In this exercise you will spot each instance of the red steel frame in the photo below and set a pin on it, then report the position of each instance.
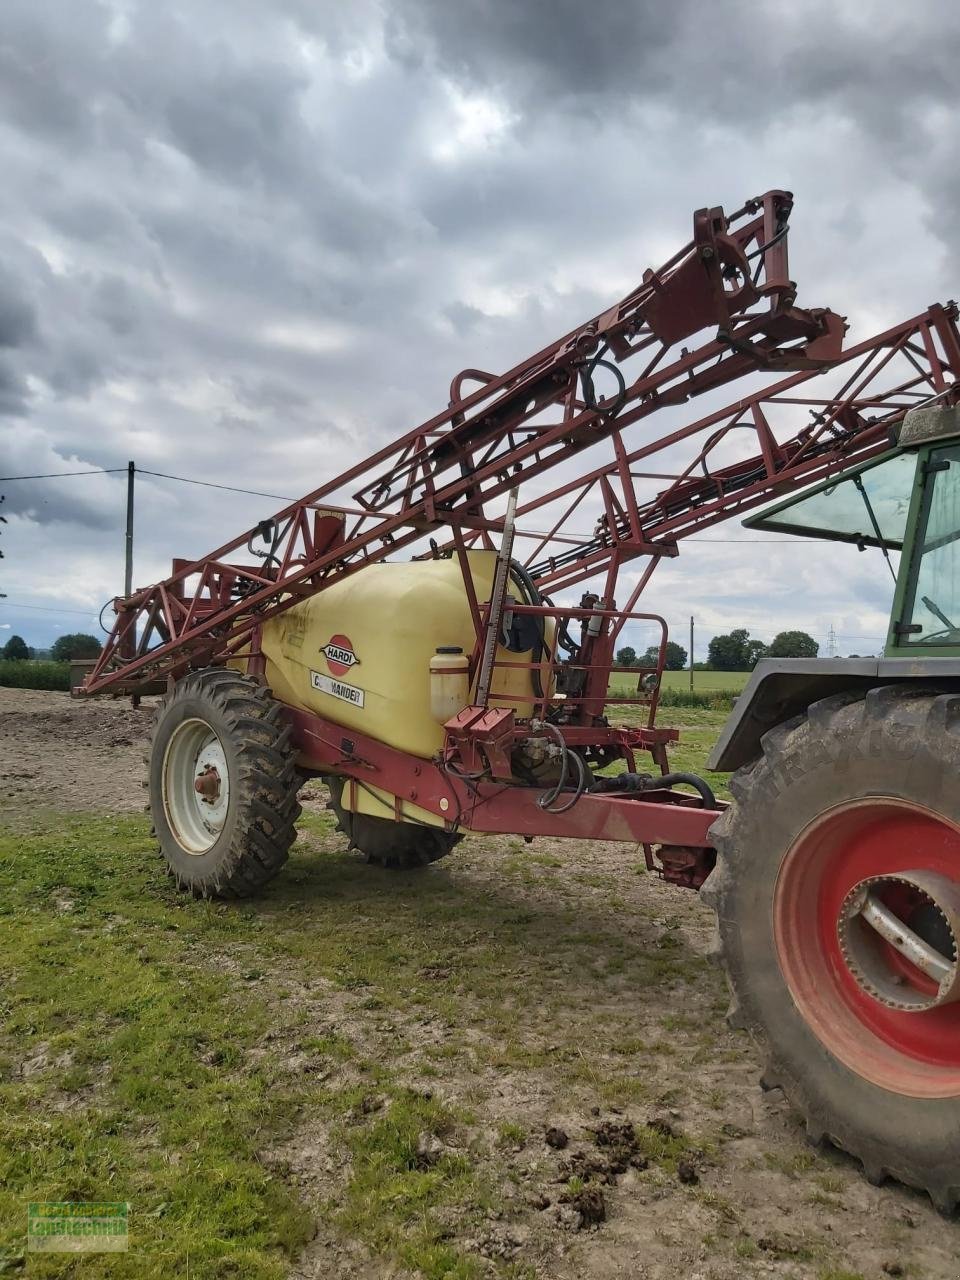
(444, 474)
(441, 474)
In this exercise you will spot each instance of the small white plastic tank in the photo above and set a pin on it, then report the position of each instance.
(449, 683)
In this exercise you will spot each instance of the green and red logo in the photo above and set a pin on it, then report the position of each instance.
(339, 654)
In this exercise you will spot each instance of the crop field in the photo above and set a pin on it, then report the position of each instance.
(513, 1064)
(707, 681)
(703, 681)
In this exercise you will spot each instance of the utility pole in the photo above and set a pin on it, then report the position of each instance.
(128, 546)
(691, 653)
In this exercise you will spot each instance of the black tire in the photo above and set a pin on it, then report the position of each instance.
(261, 809)
(899, 743)
(398, 846)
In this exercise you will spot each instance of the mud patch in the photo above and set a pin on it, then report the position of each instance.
(616, 1149)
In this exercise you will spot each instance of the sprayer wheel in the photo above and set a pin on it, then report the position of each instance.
(223, 784)
(398, 846)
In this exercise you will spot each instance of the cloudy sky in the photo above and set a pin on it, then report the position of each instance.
(249, 242)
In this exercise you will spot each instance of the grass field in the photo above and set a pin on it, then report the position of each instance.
(164, 1051)
(351, 1077)
(712, 691)
(706, 681)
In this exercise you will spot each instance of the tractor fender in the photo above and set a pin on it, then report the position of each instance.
(780, 688)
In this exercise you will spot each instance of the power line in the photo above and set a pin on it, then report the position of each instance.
(209, 484)
(162, 475)
(56, 475)
(799, 542)
(41, 608)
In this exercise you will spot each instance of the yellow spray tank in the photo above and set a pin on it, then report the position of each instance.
(361, 652)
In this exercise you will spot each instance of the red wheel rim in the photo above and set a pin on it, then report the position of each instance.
(916, 1054)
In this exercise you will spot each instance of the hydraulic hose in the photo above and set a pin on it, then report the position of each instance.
(587, 369)
(548, 797)
(653, 782)
(578, 790)
(545, 801)
(691, 779)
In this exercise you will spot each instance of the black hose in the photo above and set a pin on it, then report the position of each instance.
(691, 779)
(548, 797)
(578, 790)
(653, 782)
(522, 575)
(272, 531)
(589, 391)
(564, 639)
(781, 231)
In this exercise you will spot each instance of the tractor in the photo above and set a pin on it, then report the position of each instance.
(387, 634)
(837, 884)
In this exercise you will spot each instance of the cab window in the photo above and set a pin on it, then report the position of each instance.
(933, 588)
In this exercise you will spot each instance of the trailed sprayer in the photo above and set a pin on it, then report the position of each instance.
(433, 633)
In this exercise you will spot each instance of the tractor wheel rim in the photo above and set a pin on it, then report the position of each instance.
(196, 786)
(866, 917)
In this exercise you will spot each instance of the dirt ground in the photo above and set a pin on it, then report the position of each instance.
(742, 1194)
(58, 752)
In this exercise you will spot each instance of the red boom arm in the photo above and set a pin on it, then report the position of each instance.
(732, 275)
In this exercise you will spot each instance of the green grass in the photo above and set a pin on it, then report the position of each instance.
(34, 675)
(394, 1199)
(712, 690)
(707, 681)
(111, 1019)
(153, 1048)
(703, 681)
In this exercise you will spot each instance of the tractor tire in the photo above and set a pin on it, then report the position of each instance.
(223, 784)
(842, 807)
(398, 846)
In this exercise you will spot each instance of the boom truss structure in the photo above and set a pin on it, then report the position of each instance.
(792, 434)
(498, 432)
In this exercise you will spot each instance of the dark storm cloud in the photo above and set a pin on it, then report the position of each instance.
(18, 321)
(250, 243)
(559, 49)
(13, 391)
(891, 70)
(729, 59)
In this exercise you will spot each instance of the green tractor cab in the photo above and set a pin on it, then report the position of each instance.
(906, 501)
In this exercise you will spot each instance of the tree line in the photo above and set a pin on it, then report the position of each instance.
(64, 649)
(734, 651)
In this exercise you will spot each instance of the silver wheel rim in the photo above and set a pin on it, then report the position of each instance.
(196, 786)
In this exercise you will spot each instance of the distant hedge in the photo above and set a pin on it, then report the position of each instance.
(35, 675)
(710, 699)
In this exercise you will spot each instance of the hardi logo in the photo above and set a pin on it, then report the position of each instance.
(339, 654)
